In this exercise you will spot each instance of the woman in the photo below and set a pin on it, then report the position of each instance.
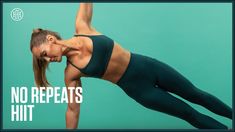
(146, 80)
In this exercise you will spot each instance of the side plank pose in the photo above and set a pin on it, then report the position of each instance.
(146, 80)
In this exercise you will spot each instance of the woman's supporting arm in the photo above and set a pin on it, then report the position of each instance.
(73, 109)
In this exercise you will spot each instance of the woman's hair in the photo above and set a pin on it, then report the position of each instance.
(38, 37)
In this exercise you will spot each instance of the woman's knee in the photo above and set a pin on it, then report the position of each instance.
(190, 114)
(196, 96)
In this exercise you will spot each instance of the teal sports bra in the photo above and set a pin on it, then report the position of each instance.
(102, 51)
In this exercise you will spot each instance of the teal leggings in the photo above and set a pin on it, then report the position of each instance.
(149, 81)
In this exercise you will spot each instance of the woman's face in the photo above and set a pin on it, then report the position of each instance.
(50, 51)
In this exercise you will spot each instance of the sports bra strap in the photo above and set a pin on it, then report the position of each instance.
(86, 35)
(68, 61)
(82, 35)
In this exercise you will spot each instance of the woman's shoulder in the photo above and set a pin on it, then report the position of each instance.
(71, 73)
(93, 32)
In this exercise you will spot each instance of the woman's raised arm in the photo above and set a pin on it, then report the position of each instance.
(84, 17)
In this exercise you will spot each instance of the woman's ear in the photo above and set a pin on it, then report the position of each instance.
(51, 38)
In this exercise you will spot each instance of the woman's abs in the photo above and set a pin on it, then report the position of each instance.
(117, 64)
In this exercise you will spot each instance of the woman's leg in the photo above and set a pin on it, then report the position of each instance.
(171, 80)
(160, 100)
(138, 82)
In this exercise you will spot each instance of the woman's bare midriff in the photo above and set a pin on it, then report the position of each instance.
(117, 65)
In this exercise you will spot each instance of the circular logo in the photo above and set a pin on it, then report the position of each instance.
(17, 14)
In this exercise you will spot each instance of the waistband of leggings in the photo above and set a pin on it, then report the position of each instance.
(125, 72)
